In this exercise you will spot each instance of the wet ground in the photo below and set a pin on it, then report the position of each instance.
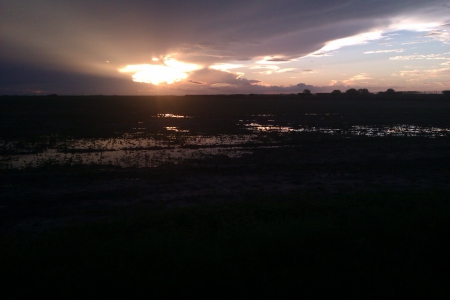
(75, 159)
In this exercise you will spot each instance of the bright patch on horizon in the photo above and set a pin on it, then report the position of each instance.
(168, 71)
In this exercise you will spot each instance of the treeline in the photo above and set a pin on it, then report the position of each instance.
(386, 95)
(338, 94)
(350, 93)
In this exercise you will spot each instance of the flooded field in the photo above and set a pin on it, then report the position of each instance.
(171, 138)
(141, 150)
(74, 158)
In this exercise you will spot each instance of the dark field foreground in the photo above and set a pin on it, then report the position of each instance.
(298, 213)
(359, 246)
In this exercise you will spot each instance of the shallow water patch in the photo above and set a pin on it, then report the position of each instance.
(400, 130)
(149, 151)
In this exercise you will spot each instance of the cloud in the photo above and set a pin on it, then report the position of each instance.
(352, 40)
(284, 70)
(136, 28)
(271, 69)
(212, 76)
(420, 56)
(361, 78)
(226, 88)
(225, 67)
(383, 51)
(277, 59)
(319, 53)
(423, 73)
(442, 34)
(78, 37)
(309, 71)
(414, 42)
(196, 82)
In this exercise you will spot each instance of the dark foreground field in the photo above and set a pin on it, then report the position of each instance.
(327, 197)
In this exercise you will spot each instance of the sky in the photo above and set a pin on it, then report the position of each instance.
(175, 47)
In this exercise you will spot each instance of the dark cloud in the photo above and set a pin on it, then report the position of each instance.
(24, 79)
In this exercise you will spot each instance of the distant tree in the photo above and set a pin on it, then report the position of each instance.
(363, 92)
(446, 93)
(336, 92)
(306, 93)
(351, 92)
(390, 91)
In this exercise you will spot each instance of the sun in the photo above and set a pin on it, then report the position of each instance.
(168, 71)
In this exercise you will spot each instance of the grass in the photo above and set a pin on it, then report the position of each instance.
(388, 244)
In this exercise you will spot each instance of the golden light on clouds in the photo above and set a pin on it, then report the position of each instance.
(168, 71)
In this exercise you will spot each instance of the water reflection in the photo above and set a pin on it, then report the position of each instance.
(172, 116)
(128, 151)
(176, 129)
(358, 130)
(121, 158)
(175, 144)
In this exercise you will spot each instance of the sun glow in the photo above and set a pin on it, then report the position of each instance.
(168, 71)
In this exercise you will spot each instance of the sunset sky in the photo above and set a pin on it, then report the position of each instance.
(176, 47)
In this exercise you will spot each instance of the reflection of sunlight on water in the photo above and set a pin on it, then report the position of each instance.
(131, 151)
(268, 128)
(359, 130)
(172, 116)
(176, 145)
(176, 129)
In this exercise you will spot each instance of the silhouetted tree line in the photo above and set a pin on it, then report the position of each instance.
(364, 93)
